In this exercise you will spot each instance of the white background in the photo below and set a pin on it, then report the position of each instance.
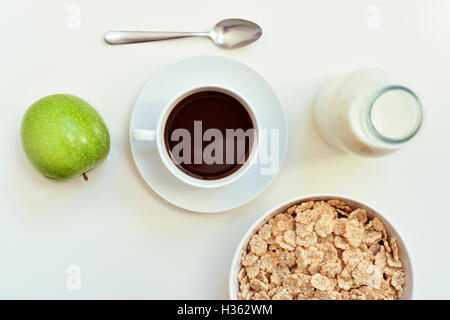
(127, 241)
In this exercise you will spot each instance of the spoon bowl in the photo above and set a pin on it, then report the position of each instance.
(235, 33)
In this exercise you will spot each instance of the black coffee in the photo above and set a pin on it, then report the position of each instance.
(209, 135)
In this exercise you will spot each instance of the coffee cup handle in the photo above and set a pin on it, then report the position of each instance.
(143, 135)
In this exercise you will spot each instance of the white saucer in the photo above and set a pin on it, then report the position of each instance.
(181, 77)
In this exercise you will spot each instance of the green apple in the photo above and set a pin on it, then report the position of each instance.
(64, 136)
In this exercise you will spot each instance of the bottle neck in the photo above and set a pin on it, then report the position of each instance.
(392, 114)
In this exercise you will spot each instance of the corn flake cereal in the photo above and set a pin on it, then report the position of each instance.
(323, 250)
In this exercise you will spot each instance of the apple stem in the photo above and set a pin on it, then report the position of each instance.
(85, 177)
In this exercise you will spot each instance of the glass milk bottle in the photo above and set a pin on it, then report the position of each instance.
(368, 112)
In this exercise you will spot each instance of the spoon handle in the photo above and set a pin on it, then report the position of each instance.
(123, 37)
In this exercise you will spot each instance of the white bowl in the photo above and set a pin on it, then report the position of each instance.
(371, 213)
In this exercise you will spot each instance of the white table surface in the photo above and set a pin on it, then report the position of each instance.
(129, 243)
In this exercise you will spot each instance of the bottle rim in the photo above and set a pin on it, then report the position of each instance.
(416, 127)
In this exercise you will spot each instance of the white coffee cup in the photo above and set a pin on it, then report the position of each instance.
(157, 136)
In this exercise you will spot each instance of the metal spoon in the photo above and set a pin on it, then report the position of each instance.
(227, 34)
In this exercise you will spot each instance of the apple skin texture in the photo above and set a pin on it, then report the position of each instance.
(64, 137)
